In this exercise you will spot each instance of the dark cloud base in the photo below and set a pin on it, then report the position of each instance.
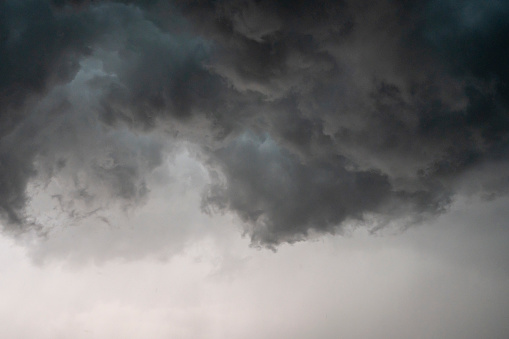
(311, 115)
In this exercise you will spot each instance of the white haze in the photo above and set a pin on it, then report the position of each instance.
(184, 274)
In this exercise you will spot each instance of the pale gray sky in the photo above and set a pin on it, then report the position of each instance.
(183, 274)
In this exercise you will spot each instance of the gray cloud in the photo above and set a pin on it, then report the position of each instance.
(367, 85)
(284, 198)
(57, 72)
(313, 115)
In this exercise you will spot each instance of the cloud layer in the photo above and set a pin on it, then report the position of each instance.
(308, 116)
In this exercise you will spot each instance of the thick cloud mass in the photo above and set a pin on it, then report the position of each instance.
(283, 198)
(308, 115)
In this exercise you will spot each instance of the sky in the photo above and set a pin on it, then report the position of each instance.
(254, 169)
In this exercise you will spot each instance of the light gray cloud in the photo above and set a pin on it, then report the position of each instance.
(448, 279)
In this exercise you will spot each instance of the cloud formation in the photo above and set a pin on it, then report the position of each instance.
(308, 116)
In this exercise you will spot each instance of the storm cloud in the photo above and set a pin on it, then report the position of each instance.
(308, 116)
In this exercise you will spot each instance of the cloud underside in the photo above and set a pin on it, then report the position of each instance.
(307, 116)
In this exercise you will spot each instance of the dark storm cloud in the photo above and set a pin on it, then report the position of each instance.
(390, 91)
(313, 114)
(283, 199)
(28, 61)
(51, 102)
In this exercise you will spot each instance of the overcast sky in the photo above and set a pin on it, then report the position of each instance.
(254, 169)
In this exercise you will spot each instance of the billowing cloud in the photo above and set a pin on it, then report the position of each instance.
(283, 199)
(308, 116)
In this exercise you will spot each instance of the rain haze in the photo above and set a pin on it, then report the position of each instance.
(254, 169)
